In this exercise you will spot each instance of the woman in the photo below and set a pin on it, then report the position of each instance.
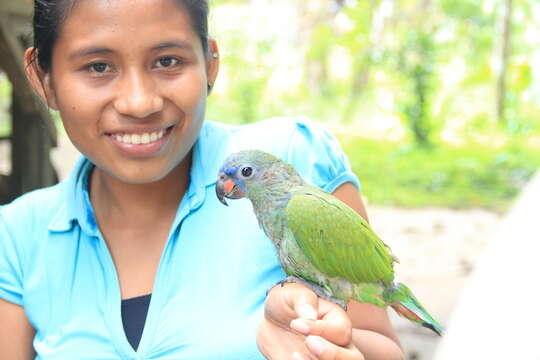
(134, 225)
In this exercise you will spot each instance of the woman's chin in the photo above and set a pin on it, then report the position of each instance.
(137, 175)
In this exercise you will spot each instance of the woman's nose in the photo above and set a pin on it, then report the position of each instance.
(138, 96)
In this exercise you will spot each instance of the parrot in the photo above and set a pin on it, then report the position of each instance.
(320, 241)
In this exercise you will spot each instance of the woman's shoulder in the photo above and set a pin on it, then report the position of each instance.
(305, 144)
(277, 135)
(278, 126)
(34, 209)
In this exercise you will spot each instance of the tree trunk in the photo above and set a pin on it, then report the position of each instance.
(503, 59)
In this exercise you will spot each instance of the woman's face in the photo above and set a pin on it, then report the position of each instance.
(130, 81)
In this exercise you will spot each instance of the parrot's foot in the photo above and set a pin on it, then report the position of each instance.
(341, 303)
(317, 289)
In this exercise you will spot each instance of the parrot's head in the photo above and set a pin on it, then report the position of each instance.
(254, 174)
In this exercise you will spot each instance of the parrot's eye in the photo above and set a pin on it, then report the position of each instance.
(247, 171)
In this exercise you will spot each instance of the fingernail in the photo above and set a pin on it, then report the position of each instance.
(300, 326)
(298, 356)
(307, 312)
(315, 345)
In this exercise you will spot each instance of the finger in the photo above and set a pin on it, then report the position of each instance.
(334, 324)
(325, 350)
(302, 300)
(291, 301)
(328, 309)
(337, 331)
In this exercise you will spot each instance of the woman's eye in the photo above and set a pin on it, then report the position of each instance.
(99, 68)
(166, 62)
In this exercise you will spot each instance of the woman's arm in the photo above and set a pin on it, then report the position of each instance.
(372, 333)
(350, 196)
(16, 333)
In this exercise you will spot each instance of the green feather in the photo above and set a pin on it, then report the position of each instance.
(338, 241)
(403, 301)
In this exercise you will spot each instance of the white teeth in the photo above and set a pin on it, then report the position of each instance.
(145, 138)
(137, 139)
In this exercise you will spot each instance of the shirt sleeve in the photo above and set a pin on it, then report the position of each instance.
(318, 157)
(10, 267)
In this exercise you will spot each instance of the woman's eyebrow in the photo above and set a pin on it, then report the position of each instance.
(90, 51)
(173, 44)
(86, 51)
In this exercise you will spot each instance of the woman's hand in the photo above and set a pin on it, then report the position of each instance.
(298, 325)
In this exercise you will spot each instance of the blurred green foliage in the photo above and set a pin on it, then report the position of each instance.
(423, 69)
(458, 177)
(416, 64)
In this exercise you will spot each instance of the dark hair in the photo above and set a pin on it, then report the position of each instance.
(50, 14)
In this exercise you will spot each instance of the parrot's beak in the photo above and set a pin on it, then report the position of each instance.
(226, 188)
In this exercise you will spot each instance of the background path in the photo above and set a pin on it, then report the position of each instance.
(438, 249)
(495, 318)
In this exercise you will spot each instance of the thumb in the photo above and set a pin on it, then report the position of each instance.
(325, 350)
(304, 302)
(291, 301)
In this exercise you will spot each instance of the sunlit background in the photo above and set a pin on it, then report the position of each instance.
(412, 88)
(435, 102)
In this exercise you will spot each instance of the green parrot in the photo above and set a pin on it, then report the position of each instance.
(321, 242)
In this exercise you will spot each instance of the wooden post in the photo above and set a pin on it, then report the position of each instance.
(16, 7)
(33, 130)
(30, 148)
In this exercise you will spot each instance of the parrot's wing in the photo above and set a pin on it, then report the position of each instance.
(336, 239)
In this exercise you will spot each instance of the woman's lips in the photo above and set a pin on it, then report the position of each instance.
(141, 144)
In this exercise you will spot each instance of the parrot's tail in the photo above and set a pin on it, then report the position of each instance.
(407, 306)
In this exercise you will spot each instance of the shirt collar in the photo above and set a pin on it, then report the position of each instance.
(76, 206)
(208, 153)
(207, 157)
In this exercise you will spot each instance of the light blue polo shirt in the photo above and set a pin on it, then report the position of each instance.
(209, 291)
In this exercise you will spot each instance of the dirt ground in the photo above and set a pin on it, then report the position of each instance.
(437, 248)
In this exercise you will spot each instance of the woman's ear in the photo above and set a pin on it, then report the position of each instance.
(39, 80)
(212, 64)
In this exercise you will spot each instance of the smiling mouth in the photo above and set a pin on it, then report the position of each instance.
(141, 138)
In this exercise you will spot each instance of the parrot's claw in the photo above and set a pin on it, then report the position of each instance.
(317, 289)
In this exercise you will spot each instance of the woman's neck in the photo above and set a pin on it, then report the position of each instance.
(120, 203)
